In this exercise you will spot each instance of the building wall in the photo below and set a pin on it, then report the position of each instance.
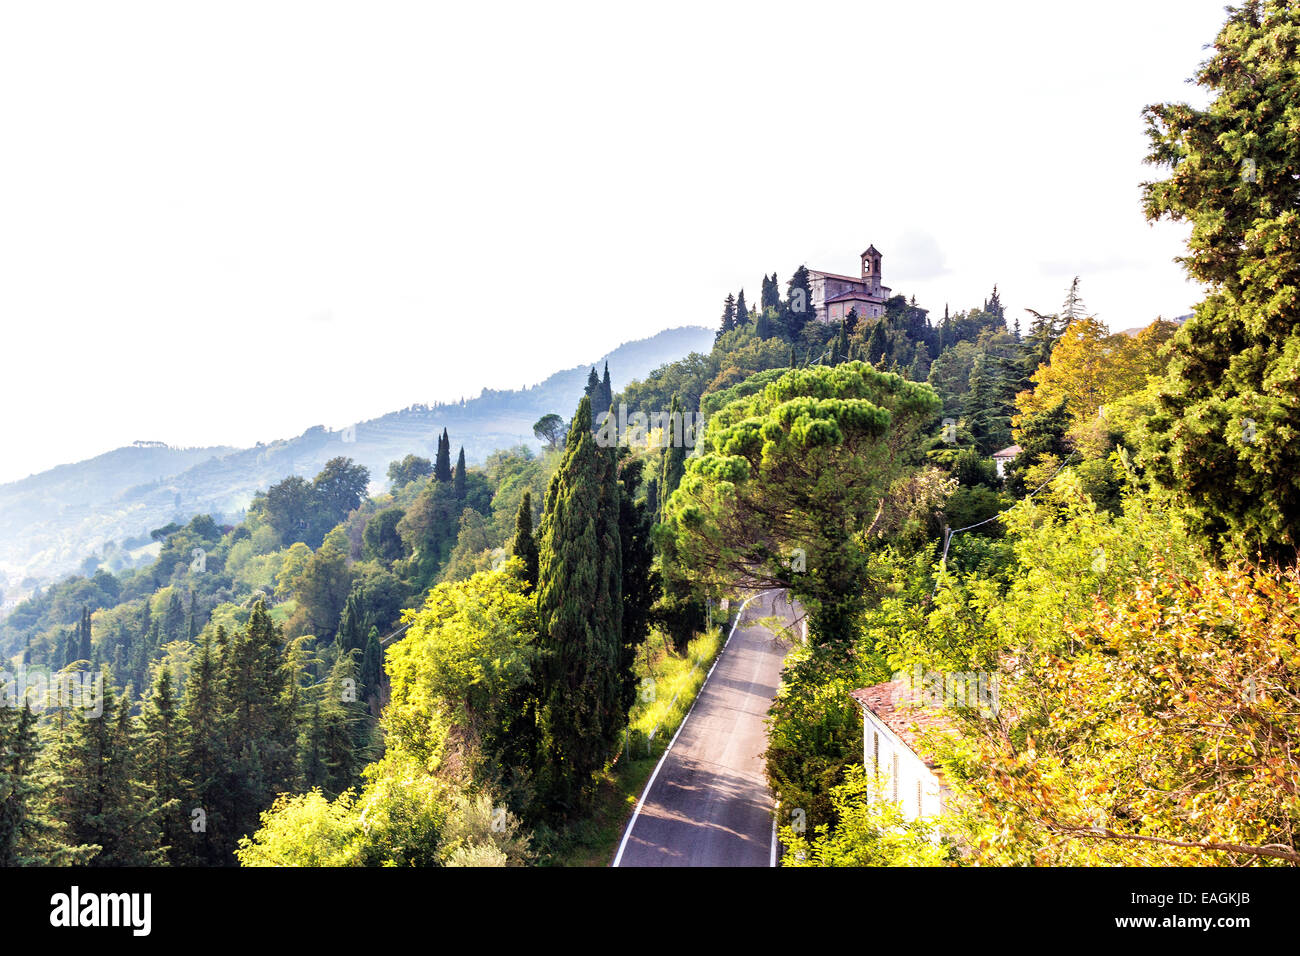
(905, 776)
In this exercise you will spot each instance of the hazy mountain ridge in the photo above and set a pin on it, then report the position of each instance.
(50, 522)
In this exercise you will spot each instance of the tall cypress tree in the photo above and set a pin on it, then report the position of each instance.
(458, 481)
(442, 463)
(674, 465)
(640, 580)
(372, 666)
(83, 635)
(606, 392)
(742, 310)
(524, 546)
(580, 618)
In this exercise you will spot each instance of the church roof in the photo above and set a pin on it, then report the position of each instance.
(871, 251)
(856, 296)
(835, 275)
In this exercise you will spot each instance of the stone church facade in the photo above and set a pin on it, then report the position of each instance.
(833, 296)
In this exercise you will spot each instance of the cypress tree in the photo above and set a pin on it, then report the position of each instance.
(878, 344)
(742, 310)
(458, 482)
(593, 384)
(606, 392)
(351, 626)
(372, 666)
(640, 580)
(83, 635)
(674, 465)
(442, 464)
(524, 546)
(579, 608)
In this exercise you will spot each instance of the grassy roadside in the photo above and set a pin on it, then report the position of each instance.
(669, 684)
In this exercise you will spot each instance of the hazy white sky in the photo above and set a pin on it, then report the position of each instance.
(226, 222)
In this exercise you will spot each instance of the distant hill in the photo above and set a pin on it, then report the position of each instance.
(50, 522)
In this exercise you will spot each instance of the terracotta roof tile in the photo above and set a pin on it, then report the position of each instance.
(893, 704)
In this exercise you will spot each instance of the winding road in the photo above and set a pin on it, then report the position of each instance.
(707, 802)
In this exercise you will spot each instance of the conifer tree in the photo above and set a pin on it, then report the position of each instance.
(640, 580)
(920, 363)
(742, 310)
(579, 608)
(771, 296)
(674, 460)
(205, 749)
(99, 797)
(257, 718)
(442, 463)
(458, 482)
(606, 392)
(1223, 438)
(162, 766)
(878, 344)
(523, 546)
(798, 310)
(372, 665)
(728, 322)
(83, 635)
(351, 626)
(28, 836)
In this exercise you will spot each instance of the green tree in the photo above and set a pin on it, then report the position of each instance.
(458, 479)
(442, 463)
(523, 546)
(674, 463)
(550, 429)
(100, 798)
(162, 765)
(1224, 436)
(409, 469)
(579, 609)
(796, 484)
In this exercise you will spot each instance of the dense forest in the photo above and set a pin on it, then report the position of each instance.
(443, 674)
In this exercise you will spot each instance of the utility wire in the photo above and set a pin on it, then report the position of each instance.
(948, 534)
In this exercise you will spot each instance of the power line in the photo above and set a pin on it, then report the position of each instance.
(948, 534)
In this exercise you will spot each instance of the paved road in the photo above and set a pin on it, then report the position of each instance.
(708, 803)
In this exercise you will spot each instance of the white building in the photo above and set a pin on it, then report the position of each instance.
(1004, 457)
(891, 726)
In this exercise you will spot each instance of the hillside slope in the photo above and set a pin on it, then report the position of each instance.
(50, 522)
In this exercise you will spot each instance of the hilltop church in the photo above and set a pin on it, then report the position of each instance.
(834, 295)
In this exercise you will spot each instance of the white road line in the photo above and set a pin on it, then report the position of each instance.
(644, 793)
